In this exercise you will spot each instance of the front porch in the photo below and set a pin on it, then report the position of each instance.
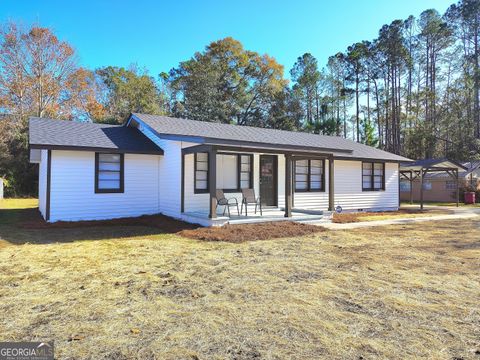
(270, 172)
(269, 215)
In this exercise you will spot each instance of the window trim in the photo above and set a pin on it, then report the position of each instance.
(239, 173)
(309, 173)
(372, 179)
(238, 189)
(121, 189)
(451, 182)
(201, 191)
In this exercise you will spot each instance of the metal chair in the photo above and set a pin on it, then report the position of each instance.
(227, 203)
(248, 197)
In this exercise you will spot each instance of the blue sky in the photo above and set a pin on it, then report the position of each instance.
(158, 35)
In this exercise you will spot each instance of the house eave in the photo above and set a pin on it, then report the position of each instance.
(95, 149)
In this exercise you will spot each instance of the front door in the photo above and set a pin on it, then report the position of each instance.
(268, 180)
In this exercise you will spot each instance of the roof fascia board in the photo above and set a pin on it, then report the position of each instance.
(356, 158)
(96, 149)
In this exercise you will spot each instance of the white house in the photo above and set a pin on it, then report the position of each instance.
(157, 164)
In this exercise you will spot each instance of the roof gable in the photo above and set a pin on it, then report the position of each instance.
(63, 134)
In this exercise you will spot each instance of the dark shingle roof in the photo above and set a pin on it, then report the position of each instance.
(469, 165)
(432, 163)
(48, 133)
(243, 135)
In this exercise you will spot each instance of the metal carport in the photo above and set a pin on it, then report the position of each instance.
(418, 170)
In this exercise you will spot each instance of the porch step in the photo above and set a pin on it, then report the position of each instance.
(296, 218)
(315, 221)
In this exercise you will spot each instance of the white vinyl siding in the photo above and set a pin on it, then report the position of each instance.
(170, 169)
(348, 188)
(73, 194)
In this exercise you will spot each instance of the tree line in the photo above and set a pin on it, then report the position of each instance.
(413, 90)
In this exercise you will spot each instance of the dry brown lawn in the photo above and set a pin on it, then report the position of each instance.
(132, 292)
(352, 217)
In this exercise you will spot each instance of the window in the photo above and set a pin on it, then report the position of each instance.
(234, 172)
(201, 173)
(227, 167)
(309, 175)
(405, 186)
(245, 171)
(373, 176)
(109, 170)
(450, 185)
(427, 185)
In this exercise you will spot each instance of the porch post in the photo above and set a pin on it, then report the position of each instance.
(331, 184)
(411, 187)
(212, 181)
(288, 185)
(182, 182)
(421, 189)
(458, 187)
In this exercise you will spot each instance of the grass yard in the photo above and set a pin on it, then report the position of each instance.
(132, 292)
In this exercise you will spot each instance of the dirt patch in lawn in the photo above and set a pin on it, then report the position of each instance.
(345, 218)
(250, 232)
(165, 223)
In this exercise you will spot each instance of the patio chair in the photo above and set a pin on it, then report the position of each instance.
(227, 203)
(248, 197)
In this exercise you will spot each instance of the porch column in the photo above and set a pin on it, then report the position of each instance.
(458, 187)
(411, 187)
(421, 188)
(212, 181)
(182, 182)
(331, 184)
(288, 185)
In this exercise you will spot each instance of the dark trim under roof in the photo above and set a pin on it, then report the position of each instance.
(202, 132)
(70, 135)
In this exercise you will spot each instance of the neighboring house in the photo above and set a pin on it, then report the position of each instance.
(158, 164)
(440, 186)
